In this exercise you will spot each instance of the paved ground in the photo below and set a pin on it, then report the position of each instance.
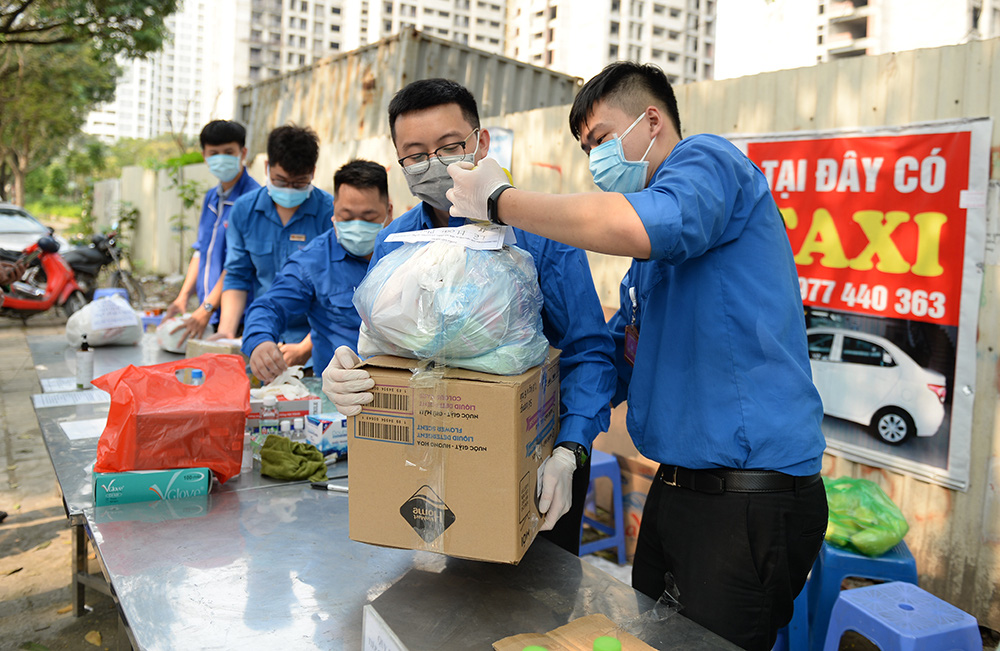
(35, 537)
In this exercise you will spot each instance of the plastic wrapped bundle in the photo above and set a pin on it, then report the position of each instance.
(479, 310)
(862, 517)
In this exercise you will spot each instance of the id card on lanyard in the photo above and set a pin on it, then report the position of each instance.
(632, 331)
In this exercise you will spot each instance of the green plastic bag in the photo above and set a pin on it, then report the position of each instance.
(862, 517)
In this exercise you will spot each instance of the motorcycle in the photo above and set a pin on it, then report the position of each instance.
(47, 282)
(87, 263)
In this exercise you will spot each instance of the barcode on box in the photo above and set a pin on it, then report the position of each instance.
(384, 428)
(394, 399)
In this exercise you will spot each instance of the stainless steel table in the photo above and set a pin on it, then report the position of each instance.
(275, 568)
(73, 460)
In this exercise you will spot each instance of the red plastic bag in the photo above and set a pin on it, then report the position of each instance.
(158, 422)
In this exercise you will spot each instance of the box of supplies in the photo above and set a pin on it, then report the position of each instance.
(446, 460)
(287, 409)
(328, 433)
(148, 485)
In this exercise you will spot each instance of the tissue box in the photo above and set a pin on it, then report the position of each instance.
(149, 485)
(328, 432)
(298, 408)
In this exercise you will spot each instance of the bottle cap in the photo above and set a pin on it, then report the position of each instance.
(286, 426)
(84, 346)
(607, 644)
(270, 401)
(299, 423)
(197, 374)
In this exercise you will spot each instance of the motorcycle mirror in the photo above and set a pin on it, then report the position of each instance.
(48, 244)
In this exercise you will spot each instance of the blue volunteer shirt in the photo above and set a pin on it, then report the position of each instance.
(572, 321)
(722, 376)
(211, 242)
(258, 244)
(318, 281)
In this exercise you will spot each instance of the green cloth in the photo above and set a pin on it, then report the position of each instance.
(282, 459)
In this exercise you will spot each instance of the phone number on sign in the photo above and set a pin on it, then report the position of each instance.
(918, 302)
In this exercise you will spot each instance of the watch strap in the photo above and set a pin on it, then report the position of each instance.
(492, 211)
(208, 307)
(580, 452)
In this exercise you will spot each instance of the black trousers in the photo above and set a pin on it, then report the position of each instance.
(738, 559)
(566, 533)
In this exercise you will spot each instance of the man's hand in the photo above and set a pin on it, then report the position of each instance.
(194, 325)
(347, 387)
(296, 354)
(556, 486)
(178, 306)
(267, 362)
(221, 335)
(473, 187)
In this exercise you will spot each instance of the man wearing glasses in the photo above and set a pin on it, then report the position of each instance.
(435, 122)
(268, 225)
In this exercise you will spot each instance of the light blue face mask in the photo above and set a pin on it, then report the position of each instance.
(288, 197)
(612, 172)
(224, 167)
(357, 236)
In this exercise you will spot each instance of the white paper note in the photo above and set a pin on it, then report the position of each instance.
(84, 429)
(69, 398)
(482, 237)
(50, 384)
(106, 314)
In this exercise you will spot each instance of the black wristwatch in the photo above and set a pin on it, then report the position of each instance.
(491, 204)
(580, 453)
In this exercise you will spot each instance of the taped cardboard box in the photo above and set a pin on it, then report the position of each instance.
(578, 635)
(195, 347)
(450, 465)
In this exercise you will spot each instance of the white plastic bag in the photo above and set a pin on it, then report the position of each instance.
(168, 334)
(108, 321)
(479, 310)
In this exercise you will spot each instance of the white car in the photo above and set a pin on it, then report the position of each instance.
(869, 380)
(18, 229)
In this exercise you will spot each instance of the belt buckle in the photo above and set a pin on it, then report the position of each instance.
(673, 480)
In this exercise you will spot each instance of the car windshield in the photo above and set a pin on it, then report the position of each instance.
(18, 222)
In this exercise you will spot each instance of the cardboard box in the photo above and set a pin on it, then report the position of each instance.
(578, 635)
(449, 463)
(148, 485)
(328, 433)
(195, 347)
(287, 409)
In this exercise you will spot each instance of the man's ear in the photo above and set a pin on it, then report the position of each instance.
(657, 121)
(484, 145)
(388, 212)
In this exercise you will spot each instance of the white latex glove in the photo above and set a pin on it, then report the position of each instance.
(347, 387)
(556, 486)
(473, 187)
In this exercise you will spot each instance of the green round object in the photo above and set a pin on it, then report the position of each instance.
(535, 647)
(607, 644)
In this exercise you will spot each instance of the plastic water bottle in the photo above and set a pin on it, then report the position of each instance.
(197, 377)
(84, 365)
(286, 429)
(299, 430)
(249, 451)
(268, 423)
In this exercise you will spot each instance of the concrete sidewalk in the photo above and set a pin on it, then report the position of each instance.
(35, 537)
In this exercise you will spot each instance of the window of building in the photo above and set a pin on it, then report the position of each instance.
(673, 36)
(613, 52)
(819, 40)
(443, 14)
(461, 38)
(821, 9)
(614, 28)
(657, 54)
(386, 26)
(548, 58)
(303, 6)
(494, 23)
(462, 21)
(334, 45)
(335, 11)
(615, 8)
(291, 40)
(302, 41)
(255, 35)
(675, 13)
(302, 59)
(291, 58)
(334, 28)
(658, 32)
(494, 41)
(672, 57)
(442, 32)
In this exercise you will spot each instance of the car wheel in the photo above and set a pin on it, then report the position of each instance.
(75, 301)
(893, 425)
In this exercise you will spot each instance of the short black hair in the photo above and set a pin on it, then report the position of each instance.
(362, 174)
(628, 85)
(428, 93)
(296, 149)
(221, 132)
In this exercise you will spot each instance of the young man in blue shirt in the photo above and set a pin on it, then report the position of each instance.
(223, 145)
(710, 349)
(319, 281)
(434, 122)
(269, 225)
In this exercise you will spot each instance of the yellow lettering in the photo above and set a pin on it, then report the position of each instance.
(822, 238)
(879, 234)
(790, 216)
(929, 243)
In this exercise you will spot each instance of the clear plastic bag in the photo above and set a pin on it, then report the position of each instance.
(479, 310)
(862, 517)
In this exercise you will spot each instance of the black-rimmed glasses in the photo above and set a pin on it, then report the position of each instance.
(447, 154)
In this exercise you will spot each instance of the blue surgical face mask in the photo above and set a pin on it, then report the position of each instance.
(357, 236)
(224, 167)
(288, 197)
(612, 172)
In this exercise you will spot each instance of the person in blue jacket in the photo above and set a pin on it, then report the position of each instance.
(319, 281)
(710, 349)
(223, 145)
(434, 122)
(267, 226)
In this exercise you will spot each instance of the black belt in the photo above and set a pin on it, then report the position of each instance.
(719, 480)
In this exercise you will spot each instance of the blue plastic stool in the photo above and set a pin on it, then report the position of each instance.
(902, 616)
(835, 564)
(603, 464)
(795, 636)
(151, 321)
(111, 291)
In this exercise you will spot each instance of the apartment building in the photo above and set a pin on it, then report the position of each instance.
(580, 38)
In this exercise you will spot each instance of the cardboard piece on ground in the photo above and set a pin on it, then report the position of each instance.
(449, 463)
(578, 635)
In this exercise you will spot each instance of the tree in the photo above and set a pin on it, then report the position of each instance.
(132, 28)
(44, 99)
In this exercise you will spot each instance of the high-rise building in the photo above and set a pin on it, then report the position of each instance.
(173, 91)
(580, 38)
(479, 23)
(763, 35)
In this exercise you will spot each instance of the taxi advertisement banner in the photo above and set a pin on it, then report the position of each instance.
(887, 228)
